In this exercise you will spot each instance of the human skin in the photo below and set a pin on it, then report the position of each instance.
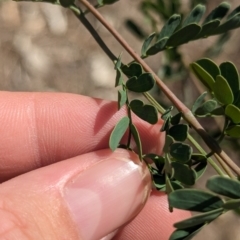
(54, 150)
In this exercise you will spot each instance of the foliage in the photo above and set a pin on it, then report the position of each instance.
(183, 161)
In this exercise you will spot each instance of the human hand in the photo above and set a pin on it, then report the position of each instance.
(60, 180)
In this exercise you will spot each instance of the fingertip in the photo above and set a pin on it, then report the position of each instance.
(154, 221)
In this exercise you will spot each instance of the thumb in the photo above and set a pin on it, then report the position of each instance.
(86, 197)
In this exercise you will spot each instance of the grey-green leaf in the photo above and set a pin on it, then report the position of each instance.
(183, 173)
(230, 73)
(200, 169)
(194, 200)
(195, 15)
(208, 28)
(233, 113)
(181, 152)
(179, 132)
(203, 75)
(119, 78)
(209, 66)
(230, 24)
(122, 98)
(118, 132)
(168, 142)
(222, 91)
(157, 47)
(137, 140)
(133, 70)
(198, 102)
(234, 12)
(233, 131)
(206, 109)
(176, 118)
(199, 219)
(143, 83)
(183, 35)
(224, 186)
(170, 26)
(218, 13)
(147, 43)
(185, 234)
(146, 112)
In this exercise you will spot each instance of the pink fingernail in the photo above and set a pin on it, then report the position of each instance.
(107, 195)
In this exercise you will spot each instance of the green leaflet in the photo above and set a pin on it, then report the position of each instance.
(199, 219)
(203, 76)
(222, 90)
(137, 139)
(146, 112)
(179, 132)
(143, 83)
(230, 73)
(181, 152)
(233, 113)
(146, 44)
(106, 2)
(233, 131)
(194, 200)
(218, 13)
(122, 98)
(169, 27)
(118, 132)
(224, 186)
(195, 15)
(183, 173)
(183, 35)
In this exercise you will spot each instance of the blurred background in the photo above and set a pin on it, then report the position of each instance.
(44, 47)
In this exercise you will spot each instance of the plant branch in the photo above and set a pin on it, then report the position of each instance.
(187, 114)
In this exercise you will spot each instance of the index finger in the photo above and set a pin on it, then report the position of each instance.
(38, 129)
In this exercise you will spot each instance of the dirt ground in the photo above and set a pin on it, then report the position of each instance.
(44, 48)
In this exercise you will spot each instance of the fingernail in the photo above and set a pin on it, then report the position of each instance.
(107, 195)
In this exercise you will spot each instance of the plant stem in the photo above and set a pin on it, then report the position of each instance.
(187, 114)
(80, 15)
